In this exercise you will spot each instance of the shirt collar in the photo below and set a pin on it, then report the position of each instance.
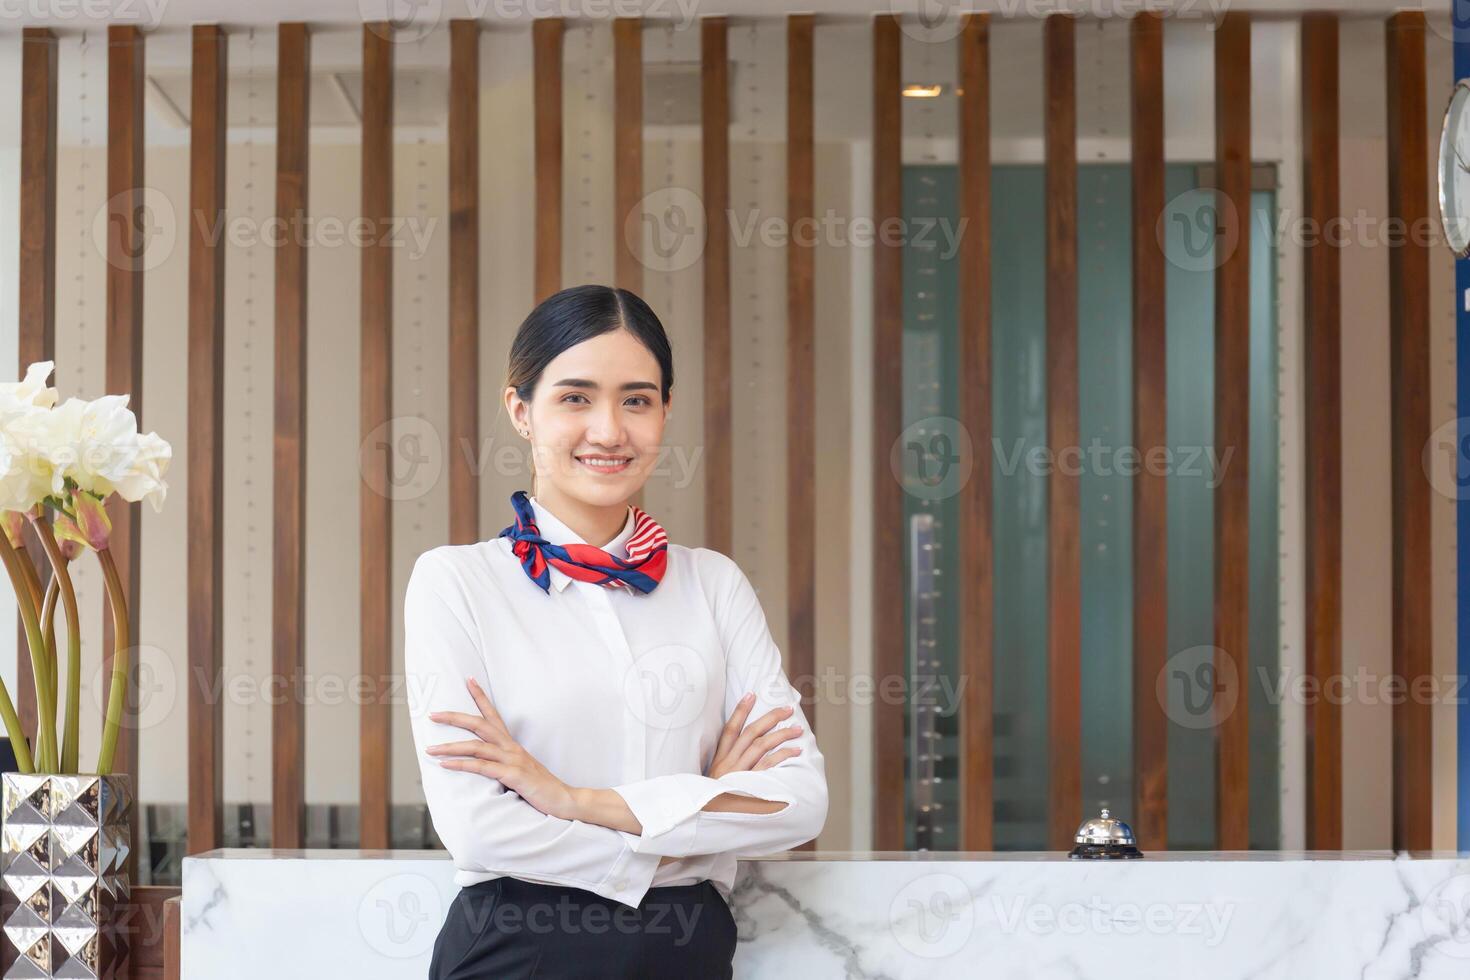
(555, 532)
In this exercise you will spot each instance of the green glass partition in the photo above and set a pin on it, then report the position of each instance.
(935, 455)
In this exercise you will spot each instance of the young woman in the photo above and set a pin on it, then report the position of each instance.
(602, 718)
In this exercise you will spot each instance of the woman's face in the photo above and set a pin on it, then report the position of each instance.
(596, 419)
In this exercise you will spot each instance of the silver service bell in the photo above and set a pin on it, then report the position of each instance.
(1105, 837)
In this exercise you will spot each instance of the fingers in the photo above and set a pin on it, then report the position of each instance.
(768, 742)
(741, 746)
(761, 746)
(472, 747)
(769, 720)
(758, 728)
(488, 724)
(485, 768)
(470, 723)
(779, 756)
(482, 701)
(731, 730)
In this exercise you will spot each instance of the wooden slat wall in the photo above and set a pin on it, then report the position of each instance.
(546, 38)
(464, 279)
(888, 582)
(1322, 290)
(376, 373)
(1232, 423)
(977, 726)
(1408, 280)
(1064, 631)
(288, 715)
(206, 425)
(801, 370)
(1150, 434)
(627, 148)
(715, 145)
(125, 248)
(1409, 199)
(36, 289)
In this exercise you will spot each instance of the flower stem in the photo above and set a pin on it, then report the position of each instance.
(33, 581)
(48, 634)
(61, 581)
(48, 627)
(40, 670)
(13, 730)
(117, 695)
(48, 630)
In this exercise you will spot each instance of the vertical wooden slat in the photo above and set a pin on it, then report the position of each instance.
(801, 371)
(1322, 272)
(125, 248)
(464, 281)
(1150, 435)
(376, 372)
(888, 582)
(1064, 577)
(1408, 282)
(977, 752)
(627, 157)
(288, 715)
(627, 147)
(206, 384)
(173, 931)
(719, 487)
(36, 289)
(153, 942)
(1232, 424)
(546, 37)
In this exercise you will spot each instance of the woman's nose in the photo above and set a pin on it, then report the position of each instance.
(606, 426)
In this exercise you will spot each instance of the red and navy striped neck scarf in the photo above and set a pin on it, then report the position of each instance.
(641, 570)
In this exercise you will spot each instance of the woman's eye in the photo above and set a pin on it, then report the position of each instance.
(643, 401)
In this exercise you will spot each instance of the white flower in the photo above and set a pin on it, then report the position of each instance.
(23, 483)
(94, 443)
(143, 477)
(24, 480)
(30, 394)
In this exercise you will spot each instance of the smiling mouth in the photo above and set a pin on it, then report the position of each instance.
(598, 463)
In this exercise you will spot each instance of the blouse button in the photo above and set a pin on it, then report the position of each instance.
(620, 884)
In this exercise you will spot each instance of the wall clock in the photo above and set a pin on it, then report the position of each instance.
(1454, 170)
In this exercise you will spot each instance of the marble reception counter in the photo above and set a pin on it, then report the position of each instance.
(251, 913)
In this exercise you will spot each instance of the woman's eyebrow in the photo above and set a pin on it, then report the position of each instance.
(584, 383)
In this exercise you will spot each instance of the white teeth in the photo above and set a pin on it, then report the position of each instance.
(605, 463)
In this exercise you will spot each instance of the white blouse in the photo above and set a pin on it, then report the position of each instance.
(607, 688)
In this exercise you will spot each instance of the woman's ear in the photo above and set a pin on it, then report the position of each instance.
(517, 410)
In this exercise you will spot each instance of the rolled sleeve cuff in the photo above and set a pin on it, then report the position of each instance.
(667, 808)
(629, 878)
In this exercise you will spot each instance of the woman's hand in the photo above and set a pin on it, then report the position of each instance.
(744, 747)
(494, 753)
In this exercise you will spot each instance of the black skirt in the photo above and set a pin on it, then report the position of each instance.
(508, 928)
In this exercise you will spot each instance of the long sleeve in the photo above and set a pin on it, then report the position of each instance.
(670, 807)
(486, 827)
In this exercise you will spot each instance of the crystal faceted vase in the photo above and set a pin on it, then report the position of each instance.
(63, 863)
